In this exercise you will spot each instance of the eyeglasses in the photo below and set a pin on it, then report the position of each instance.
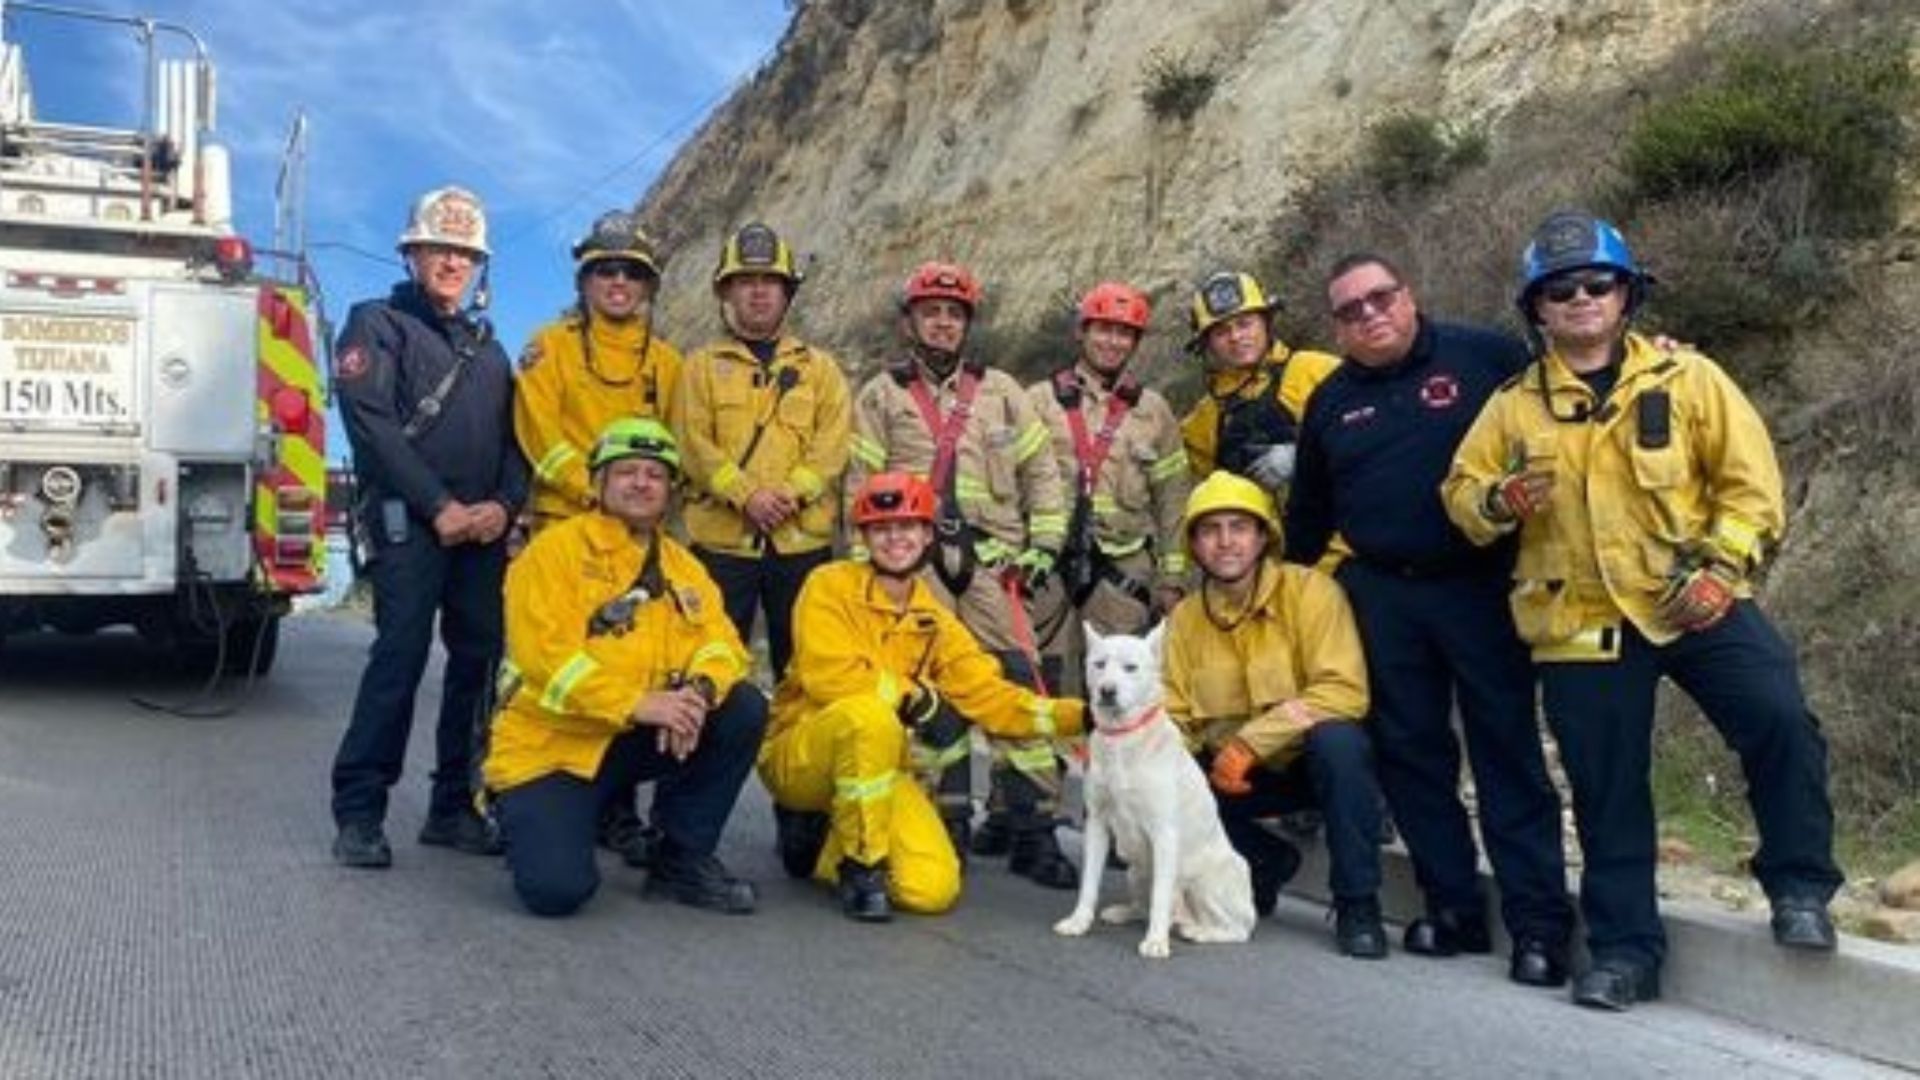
(1374, 300)
(1562, 290)
(607, 270)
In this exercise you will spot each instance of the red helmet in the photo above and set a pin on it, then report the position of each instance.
(893, 496)
(1116, 302)
(941, 281)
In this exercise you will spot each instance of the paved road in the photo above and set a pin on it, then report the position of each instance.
(168, 909)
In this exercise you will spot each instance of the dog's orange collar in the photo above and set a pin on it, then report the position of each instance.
(1146, 716)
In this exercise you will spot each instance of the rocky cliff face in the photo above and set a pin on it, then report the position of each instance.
(1011, 134)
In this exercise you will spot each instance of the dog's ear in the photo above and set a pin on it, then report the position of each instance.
(1094, 640)
(1157, 641)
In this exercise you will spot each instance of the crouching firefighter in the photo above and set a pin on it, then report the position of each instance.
(621, 666)
(881, 678)
(1118, 442)
(1000, 525)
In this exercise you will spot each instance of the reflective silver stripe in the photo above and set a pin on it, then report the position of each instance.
(577, 667)
(555, 459)
(1736, 538)
(939, 757)
(1031, 757)
(1041, 524)
(1043, 715)
(865, 789)
(970, 488)
(506, 682)
(1031, 441)
(887, 689)
(1172, 465)
(869, 453)
(717, 650)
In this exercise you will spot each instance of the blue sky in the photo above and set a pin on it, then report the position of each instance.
(551, 111)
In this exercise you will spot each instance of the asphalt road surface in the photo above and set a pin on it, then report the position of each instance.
(168, 908)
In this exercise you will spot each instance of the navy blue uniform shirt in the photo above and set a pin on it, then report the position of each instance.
(391, 356)
(1376, 443)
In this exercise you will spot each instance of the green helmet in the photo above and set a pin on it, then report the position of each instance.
(635, 436)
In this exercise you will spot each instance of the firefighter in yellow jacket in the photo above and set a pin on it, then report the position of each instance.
(1257, 387)
(600, 361)
(877, 656)
(1645, 492)
(763, 420)
(1265, 675)
(970, 429)
(621, 666)
(1121, 456)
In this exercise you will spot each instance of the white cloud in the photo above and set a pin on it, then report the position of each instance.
(528, 104)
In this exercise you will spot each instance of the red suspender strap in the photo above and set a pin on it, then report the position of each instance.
(946, 430)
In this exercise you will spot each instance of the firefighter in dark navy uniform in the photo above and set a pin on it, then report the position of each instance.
(427, 398)
(1378, 437)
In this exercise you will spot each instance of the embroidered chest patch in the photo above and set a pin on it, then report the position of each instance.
(1440, 391)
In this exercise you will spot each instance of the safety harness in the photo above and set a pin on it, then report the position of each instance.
(956, 559)
(1090, 453)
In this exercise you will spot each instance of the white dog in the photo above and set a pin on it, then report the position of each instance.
(1146, 793)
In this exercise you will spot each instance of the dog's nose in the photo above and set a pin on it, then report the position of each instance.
(1107, 694)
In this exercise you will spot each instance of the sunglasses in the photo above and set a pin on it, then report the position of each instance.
(1374, 300)
(1562, 290)
(609, 270)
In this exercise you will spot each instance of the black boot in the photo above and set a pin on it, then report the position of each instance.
(1357, 929)
(623, 832)
(993, 838)
(1035, 854)
(959, 824)
(700, 881)
(1803, 923)
(1448, 932)
(799, 835)
(863, 891)
(463, 830)
(362, 844)
(1271, 866)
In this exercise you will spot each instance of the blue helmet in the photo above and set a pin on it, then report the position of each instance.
(1575, 240)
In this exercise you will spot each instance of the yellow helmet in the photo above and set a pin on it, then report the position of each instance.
(756, 249)
(1222, 296)
(616, 235)
(449, 216)
(1229, 491)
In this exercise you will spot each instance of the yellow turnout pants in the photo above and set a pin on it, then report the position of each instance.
(850, 760)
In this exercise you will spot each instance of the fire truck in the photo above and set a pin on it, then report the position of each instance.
(162, 410)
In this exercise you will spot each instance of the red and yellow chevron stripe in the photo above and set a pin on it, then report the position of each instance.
(289, 517)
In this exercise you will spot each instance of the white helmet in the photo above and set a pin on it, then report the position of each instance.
(451, 216)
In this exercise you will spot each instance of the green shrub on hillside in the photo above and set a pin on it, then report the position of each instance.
(1838, 113)
(1178, 85)
(1413, 152)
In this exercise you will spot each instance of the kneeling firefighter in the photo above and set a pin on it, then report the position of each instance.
(865, 706)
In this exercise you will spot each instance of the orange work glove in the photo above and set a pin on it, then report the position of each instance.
(1519, 494)
(1231, 763)
(1698, 599)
